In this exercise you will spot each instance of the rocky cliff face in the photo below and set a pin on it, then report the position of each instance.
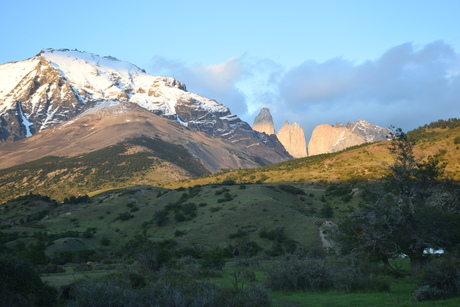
(293, 139)
(326, 138)
(56, 85)
(264, 122)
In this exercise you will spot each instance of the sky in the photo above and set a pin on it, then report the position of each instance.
(391, 63)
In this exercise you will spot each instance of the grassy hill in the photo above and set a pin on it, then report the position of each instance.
(208, 216)
(356, 164)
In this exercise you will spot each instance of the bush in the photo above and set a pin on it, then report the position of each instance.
(320, 274)
(170, 289)
(161, 217)
(20, 285)
(239, 234)
(214, 258)
(439, 279)
(276, 234)
(124, 216)
(105, 241)
(291, 189)
(179, 217)
(227, 197)
(295, 275)
(327, 211)
(427, 293)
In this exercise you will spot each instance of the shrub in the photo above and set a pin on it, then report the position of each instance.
(221, 191)
(227, 197)
(276, 234)
(457, 140)
(439, 279)
(170, 289)
(179, 217)
(124, 216)
(295, 275)
(89, 232)
(179, 233)
(329, 273)
(427, 293)
(154, 260)
(189, 209)
(105, 241)
(291, 189)
(161, 217)
(228, 181)
(214, 258)
(90, 292)
(20, 285)
(326, 211)
(239, 234)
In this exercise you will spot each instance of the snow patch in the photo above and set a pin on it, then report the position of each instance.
(25, 121)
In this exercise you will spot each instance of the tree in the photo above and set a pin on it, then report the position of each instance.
(20, 285)
(414, 211)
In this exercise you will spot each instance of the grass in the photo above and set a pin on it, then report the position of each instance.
(400, 294)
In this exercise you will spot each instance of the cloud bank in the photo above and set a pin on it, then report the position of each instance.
(407, 86)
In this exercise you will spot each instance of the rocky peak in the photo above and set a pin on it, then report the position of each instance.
(57, 85)
(293, 139)
(331, 138)
(264, 122)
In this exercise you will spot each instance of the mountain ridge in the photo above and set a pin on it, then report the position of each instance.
(112, 122)
(57, 85)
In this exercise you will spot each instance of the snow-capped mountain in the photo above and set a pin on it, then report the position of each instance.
(57, 85)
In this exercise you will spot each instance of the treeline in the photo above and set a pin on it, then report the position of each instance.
(427, 131)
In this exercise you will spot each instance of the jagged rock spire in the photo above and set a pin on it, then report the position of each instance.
(264, 122)
(293, 139)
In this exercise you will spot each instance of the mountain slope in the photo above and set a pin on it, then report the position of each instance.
(129, 143)
(112, 122)
(57, 85)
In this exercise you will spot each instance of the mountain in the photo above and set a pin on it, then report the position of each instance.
(57, 85)
(293, 139)
(331, 138)
(130, 144)
(263, 122)
(360, 163)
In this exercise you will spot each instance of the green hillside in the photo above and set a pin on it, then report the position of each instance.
(208, 216)
(361, 163)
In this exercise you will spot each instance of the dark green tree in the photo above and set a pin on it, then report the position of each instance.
(414, 211)
(20, 285)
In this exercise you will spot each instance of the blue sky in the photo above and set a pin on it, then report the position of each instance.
(388, 62)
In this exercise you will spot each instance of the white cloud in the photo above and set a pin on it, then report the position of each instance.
(213, 81)
(407, 87)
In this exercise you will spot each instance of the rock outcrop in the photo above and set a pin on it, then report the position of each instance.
(331, 138)
(293, 139)
(264, 122)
